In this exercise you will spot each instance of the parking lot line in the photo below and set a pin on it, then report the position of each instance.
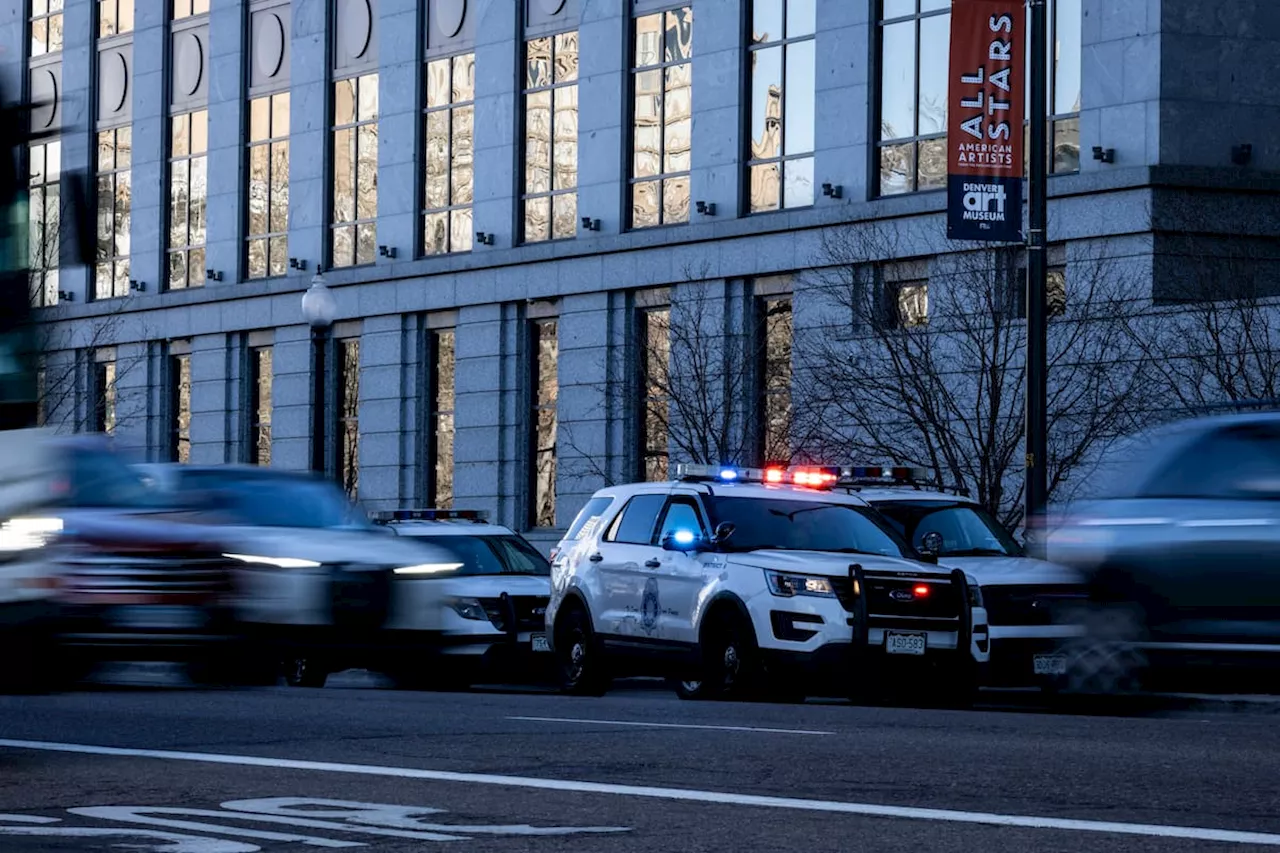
(676, 794)
(644, 725)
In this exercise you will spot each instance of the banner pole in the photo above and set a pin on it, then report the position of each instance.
(1037, 425)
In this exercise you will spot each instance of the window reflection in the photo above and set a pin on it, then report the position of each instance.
(449, 152)
(115, 196)
(104, 393)
(355, 171)
(180, 408)
(114, 17)
(655, 378)
(348, 412)
(188, 8)
(188, 198)
(781, 68)
(551, 138)
(44, 213)
(260, 381)
(440, 451)
(661, 130)
(268, 190)
(545, 381)
(774, 361)
(46, 27)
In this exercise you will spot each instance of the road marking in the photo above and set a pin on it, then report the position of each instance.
(669, 725)
(143, 840)
(678, 794)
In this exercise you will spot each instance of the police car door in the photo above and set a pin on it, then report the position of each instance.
(680, 576)
(625, 561)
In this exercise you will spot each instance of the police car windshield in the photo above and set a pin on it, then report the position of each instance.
(276, 500)
(493, 555)
(966, 530)
(791, 525)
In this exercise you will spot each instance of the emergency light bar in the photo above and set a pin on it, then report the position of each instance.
(808, 476)
(477, 515)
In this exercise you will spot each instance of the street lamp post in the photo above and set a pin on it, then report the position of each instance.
(320, 310)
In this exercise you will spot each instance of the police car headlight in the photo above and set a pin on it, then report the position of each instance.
(788, 585)
(469, 608)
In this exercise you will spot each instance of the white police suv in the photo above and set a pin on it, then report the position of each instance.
(490, 612)
(756, 583)
(1030, 603)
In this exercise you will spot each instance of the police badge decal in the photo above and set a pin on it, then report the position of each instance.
(649, 609)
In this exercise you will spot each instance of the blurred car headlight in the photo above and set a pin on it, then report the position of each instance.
(25, 534)
(469, 608)
(429, 569)
(789, 584)
(277, 562)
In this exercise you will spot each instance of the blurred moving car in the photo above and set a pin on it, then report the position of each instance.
(1181, 547)
(127, 574)
(1029, 602)
(491, 612)
(319, 586)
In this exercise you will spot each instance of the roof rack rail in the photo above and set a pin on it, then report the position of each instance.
(476, 516)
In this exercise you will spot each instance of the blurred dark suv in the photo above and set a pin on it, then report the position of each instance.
(1182, 554)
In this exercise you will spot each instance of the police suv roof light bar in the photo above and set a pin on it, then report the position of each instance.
(808, 476)
(477, 516)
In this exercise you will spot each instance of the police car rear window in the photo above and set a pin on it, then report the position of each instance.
(588, 519)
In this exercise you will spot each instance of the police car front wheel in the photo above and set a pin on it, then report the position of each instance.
(581, 667)
(730, 667)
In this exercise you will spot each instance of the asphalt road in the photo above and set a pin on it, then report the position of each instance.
(207, 771)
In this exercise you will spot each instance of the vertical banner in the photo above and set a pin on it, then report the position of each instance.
(986, 96)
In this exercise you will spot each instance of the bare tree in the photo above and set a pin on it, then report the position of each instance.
(923, 363)
(692, 385)
(64, 377)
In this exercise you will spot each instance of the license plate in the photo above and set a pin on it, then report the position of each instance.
(1049, 664)
(897, 643)
(155, 616)
(540, 643)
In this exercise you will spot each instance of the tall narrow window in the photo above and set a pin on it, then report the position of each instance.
(115, 17)
(551, 138)
(662, 121)
(775, 378)
(348, 433)
(545, 387)
(46, 27)
(45, 213)
(115, 197)
(441, 423)
(103, 397)
(915, 48)
(261, 376)
(180, 408)
(655, 373)
(188, 196)
(268, 186)
(782, 104)
(1064, 82)
(188, 8)
(450, 155)
(355, 170)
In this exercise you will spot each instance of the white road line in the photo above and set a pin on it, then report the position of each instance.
(644, 725)
(679, 794)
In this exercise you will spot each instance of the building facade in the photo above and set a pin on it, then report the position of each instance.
(507, 197)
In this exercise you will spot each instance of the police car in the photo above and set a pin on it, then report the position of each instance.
(1029, 602)
(490, 611)
(770, 583)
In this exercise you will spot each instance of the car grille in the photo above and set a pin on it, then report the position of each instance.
(943, 601)
(1039, 604)
(360, 596)
(528, 611)
(125, 578)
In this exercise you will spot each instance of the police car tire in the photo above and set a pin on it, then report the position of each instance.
(722, 638)
(575, 636)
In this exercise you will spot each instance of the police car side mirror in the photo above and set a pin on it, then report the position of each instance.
(722, 533)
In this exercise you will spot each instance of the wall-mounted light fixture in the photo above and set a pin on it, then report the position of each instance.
(590, 224)
(66, 296)
(484, 238)
(833, 190)
(139, 286)
(299, 264)
(213, 275)
(387, 252)
(1106, 155)
(707, 208)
